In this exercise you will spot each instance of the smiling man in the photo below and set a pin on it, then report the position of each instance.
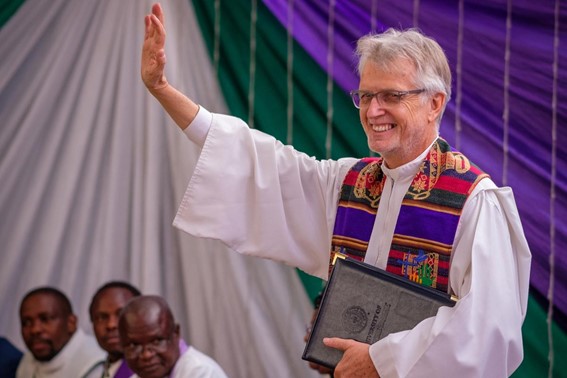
(421, 210)
(105, 308)
(152, 345)
(57, 347)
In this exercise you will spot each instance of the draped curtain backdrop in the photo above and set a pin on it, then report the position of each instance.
(92, 169)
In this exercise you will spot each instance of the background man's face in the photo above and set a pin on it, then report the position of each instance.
(151, 346)
(105, 314)
(45, 327)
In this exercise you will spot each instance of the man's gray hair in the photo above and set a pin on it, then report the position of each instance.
(385, 49)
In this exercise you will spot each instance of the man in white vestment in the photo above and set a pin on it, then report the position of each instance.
(152, 345)
(56, 346)
(421, 210)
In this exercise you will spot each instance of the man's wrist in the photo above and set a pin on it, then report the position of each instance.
(158, 89)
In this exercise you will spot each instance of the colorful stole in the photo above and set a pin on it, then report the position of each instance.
(429, 215)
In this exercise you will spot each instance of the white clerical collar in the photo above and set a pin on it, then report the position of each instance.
(407, 170)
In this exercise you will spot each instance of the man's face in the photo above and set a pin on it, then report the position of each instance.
(151, 345)
(398, 131)
(45, 327)
(105, 313)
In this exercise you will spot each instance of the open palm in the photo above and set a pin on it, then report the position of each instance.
(153, 52)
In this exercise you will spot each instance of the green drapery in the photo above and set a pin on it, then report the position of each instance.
(536, 348)
(7, 9)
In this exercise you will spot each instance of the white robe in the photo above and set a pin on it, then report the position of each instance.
(81, 357)
(195, 364)
(265, 199)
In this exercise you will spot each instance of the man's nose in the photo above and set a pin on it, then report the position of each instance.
(36, 327)
(112, 322)
(375, 107)
(147, 351)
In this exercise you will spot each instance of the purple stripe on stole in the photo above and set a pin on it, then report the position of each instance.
(182, 346)
(123, 371)
(354, 223)
(441, 228)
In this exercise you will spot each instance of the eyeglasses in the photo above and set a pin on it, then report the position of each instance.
(158, 345)
(384, 98)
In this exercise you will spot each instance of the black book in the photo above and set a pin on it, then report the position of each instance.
(364, 303)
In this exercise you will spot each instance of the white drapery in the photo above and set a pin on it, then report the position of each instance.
(92, 171)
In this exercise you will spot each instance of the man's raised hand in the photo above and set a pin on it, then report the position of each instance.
(153, 50)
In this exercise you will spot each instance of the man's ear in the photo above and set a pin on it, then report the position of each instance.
(437, 101)
(71, 323)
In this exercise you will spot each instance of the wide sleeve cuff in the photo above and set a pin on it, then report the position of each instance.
(198, 129)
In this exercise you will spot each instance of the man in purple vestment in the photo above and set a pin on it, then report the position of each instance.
(152, 344)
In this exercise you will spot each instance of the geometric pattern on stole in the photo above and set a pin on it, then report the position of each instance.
(427, 223)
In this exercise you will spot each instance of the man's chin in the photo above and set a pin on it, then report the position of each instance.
(43, 357)
(42, 351)
(114, 354)
(113, 346)
(155, 370)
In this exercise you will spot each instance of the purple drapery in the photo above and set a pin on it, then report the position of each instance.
(515, 149)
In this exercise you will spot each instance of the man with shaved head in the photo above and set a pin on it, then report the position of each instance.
(57, 347)
(152, 346)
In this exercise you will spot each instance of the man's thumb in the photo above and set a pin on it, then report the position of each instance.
(336, 343)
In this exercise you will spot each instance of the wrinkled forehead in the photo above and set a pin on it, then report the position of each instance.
(394, 65)
(151, 321)
(398, 75)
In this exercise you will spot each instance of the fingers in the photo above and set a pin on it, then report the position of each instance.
(147, 22)
(154, 30)
(158, 12)
(153, 52)
(338, 343)
(158, 25)
(155, 22)
(356, 361)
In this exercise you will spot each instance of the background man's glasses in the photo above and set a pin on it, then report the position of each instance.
(158, 345)
(384, 98)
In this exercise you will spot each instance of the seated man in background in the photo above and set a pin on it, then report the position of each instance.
(57, 347)
(10, 357)
(105, 308)
(152, 345)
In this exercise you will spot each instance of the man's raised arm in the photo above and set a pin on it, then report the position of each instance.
(179, 107)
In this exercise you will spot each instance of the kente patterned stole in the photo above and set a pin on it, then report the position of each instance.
(429, 214)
